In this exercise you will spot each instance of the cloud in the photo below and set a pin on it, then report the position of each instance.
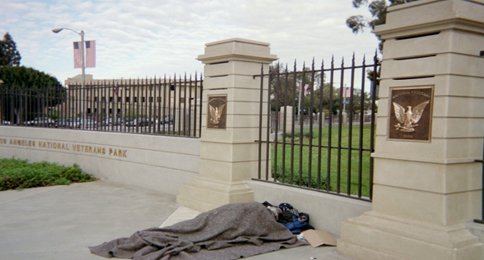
(145, 38)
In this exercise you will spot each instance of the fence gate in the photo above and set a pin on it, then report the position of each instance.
(319, 131)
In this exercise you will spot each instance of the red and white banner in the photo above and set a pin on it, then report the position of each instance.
(90, 51)
(90, 54)
(346, 92)
(77, 55)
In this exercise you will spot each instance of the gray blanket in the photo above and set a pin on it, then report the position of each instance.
(228, 232)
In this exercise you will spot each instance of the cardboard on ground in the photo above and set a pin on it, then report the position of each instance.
(319, 237)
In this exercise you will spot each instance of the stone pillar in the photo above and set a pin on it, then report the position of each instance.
(426, 183)
(228, 151)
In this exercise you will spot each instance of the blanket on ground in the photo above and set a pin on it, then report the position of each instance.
(231, 231)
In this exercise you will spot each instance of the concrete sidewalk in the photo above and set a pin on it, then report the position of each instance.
(60, 222)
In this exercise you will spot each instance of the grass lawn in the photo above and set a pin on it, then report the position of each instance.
(20, 174)
(318, 166)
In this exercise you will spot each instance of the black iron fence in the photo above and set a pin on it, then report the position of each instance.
(481, 221)
(321, 127)
(162, 106)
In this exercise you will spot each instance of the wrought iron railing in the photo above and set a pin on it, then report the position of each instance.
(321, 131)
(161, 106)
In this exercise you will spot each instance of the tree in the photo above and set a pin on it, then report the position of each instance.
(26, 93)
(9, 55)
(378, 11)
(286, 87)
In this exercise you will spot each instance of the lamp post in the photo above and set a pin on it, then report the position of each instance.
(83, 65)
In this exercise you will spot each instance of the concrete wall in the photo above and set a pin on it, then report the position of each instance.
(157, 163)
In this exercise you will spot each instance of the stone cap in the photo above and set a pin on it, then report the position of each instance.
(420, 17)
(237, 49)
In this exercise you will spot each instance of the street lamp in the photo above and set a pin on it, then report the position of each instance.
(83, 66)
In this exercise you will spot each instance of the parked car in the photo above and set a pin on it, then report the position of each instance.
(5, 122)
(69, 123)
(167, 120)
(139, 122)
(131, 122)
(145, 122)
(41, 121)
(88, 123)
(112, 121)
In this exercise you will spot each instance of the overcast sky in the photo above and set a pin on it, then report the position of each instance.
(143, 38)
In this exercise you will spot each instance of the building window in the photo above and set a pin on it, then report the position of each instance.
(126, 99)
(158, 99)
(135, 99)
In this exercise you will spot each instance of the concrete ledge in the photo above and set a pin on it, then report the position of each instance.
(157, 163)
(476, 229)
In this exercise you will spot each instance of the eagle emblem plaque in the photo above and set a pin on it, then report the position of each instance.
(411, 113)
(217, 112)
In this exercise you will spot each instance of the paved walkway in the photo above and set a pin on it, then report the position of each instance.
(60, 222)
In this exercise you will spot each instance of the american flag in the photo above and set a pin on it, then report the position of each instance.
(346, 92)
(307, 90)
(77, 55)
(90, 54)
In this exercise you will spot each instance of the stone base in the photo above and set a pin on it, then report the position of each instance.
(375, 236)
(477, 229)
(204, 194)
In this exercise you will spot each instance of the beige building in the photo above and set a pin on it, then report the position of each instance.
(155, 98)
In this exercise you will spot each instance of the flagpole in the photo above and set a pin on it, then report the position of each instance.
(83, 65)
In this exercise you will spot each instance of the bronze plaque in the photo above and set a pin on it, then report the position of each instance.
(217, 112)
(411, 113)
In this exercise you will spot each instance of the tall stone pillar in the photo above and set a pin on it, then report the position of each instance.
(429, 132)
(228, 151)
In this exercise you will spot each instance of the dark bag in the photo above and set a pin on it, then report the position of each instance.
(294, 220)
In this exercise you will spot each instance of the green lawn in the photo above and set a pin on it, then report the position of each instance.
(343, 167)
(20, 174)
